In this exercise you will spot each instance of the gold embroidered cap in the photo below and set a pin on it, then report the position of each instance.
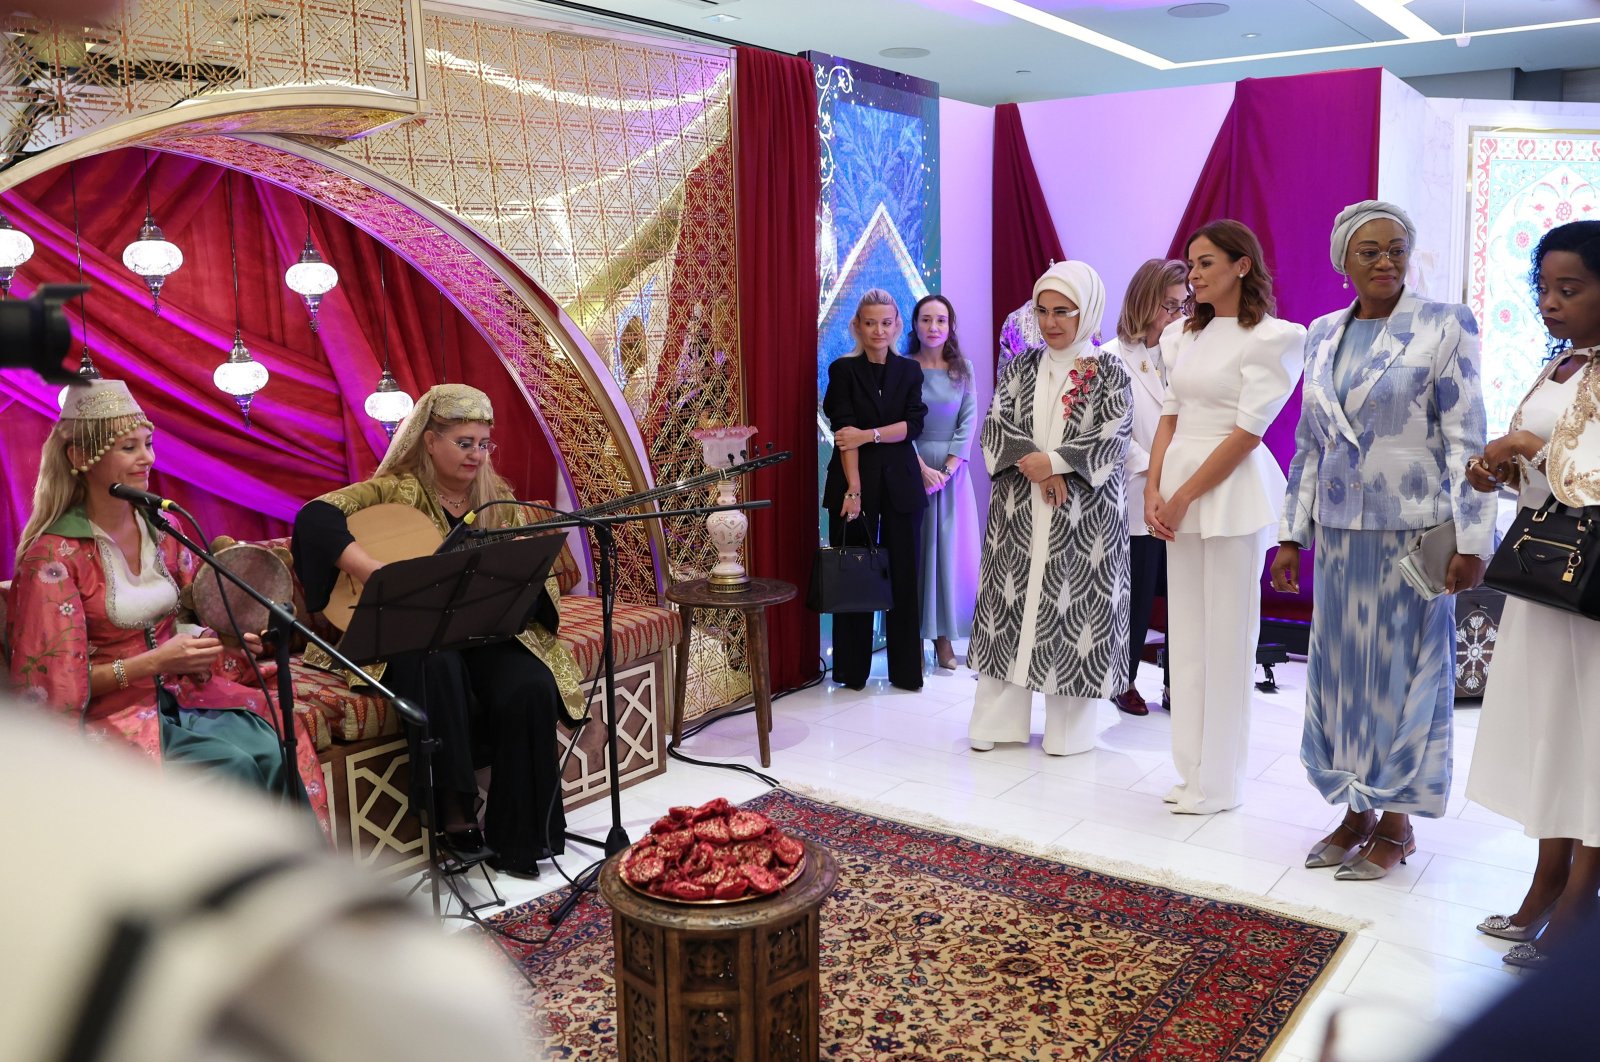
(440, 402)
(99, 413)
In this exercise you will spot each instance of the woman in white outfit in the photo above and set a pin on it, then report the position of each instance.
(1537, 756)
(1156, 297)
(1215, 494)
(1052, 614)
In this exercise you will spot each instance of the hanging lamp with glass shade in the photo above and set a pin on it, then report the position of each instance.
(241, 375)
(388, 404)
(152, 257)
(16, 247)
(311, 278)
(86, 367)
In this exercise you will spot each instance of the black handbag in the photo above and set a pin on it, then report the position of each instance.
(850, 578)
(1549, 557)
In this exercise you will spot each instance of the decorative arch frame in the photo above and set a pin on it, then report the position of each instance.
(286, 139)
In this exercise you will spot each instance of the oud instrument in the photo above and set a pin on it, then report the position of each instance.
(400, 532)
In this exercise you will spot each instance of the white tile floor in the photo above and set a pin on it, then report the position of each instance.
(1421, 952)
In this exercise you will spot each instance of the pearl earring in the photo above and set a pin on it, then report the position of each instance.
(1347, 283)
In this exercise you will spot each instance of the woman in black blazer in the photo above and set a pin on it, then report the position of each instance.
(874, 404)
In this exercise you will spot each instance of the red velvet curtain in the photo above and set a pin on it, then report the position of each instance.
(309, 433)
(1025, 238)
(1292, 153)
(779, 183)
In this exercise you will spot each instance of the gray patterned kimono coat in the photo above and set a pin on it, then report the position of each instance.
(1080, 638)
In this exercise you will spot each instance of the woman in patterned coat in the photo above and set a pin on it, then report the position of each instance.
(1052, 613)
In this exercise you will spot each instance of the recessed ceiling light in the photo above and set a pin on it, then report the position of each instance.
(1198, 10)
(1249, 36)
(1024, 71)
(904, 53)
(720, 17)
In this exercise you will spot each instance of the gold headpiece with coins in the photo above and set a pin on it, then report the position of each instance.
(98, 413)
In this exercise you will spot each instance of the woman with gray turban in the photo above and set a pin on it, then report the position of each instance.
(1391, 413)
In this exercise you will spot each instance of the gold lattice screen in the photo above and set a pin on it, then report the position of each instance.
(601, 166)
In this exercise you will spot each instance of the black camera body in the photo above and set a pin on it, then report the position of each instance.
(34, 333)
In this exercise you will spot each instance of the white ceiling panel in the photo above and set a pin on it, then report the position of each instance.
(979, 54)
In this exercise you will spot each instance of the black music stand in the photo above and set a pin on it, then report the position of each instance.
(448, 601)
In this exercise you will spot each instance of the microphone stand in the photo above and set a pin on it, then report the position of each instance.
(282, 625)
(617, 838)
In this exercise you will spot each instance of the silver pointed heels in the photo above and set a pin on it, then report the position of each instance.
(1328, 854)
(1501, 926)
(1360, 868)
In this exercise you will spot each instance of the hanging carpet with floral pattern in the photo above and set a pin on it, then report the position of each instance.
(941, 948)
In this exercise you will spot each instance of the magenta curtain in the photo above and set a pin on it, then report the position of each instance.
(779, 182)
(1025, 237)
(1292, 152)
(308, 433)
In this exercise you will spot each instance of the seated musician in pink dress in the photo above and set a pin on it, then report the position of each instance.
(93, 620)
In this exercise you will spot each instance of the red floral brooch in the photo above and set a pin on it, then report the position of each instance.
(1081, 382)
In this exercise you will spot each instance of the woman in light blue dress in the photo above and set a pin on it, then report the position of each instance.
(950, 528)
(1392, 412)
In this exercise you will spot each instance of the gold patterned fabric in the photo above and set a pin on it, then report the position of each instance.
(1573, 465)
(542, 643)
(441, 402)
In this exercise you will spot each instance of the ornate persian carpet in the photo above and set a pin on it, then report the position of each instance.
(940, 948)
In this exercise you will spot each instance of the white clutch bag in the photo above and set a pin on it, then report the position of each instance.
(1426, 561)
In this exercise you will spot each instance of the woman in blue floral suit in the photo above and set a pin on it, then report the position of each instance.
(1392, 412)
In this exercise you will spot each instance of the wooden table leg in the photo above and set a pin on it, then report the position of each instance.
(761, 680)
(680, 678)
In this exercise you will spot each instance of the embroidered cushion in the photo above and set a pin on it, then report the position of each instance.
(639, 630)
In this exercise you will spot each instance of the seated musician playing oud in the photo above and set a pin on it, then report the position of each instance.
(505, 697)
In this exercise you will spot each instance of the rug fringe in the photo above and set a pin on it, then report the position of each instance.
(1317, 916)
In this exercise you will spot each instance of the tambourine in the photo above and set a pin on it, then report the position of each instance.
(265, 569)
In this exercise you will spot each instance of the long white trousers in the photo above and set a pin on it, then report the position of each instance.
(1002, 711)
(1213, 623)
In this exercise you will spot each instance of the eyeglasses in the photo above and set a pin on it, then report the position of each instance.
(1179, 308)
(1397, 255)
(487, 446)
(1045, 311)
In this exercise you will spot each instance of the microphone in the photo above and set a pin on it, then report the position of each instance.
(141, 498)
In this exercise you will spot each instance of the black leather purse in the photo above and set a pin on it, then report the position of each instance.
(850, 578)
(1549, 557)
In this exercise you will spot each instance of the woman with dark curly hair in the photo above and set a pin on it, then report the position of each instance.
(1537, 757)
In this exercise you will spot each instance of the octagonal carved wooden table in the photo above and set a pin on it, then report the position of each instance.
(725, 983)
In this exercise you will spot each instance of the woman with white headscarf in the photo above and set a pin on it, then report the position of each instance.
(1215, 495)
(1052, 614)
(1392, 410)
(506, 696)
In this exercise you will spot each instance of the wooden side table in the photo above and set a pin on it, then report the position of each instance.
(719, 983)
(697, 593)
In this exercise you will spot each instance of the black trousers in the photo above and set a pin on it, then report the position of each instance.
(495, 706)
(901, 535)
(1147, 569)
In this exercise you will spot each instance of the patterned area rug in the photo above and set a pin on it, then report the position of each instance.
(940, 948)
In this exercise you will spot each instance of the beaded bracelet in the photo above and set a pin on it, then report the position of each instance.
(121, 672)
(851, 494)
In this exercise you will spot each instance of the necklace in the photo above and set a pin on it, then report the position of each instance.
(454, 501)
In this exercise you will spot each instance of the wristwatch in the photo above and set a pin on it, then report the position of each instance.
(876, 436)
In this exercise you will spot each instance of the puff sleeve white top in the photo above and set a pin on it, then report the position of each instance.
(1220, 378)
